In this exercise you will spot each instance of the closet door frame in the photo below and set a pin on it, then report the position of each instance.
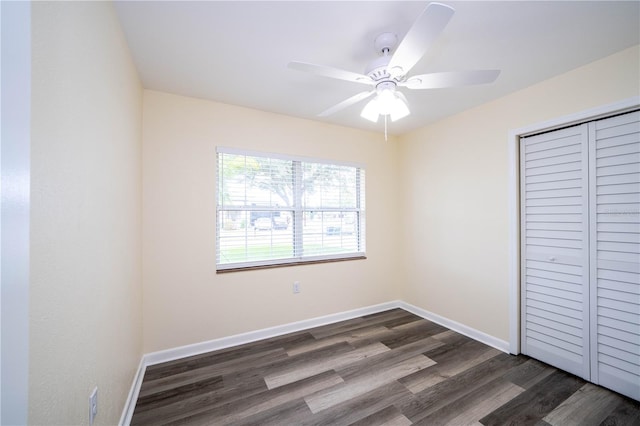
(513, 144)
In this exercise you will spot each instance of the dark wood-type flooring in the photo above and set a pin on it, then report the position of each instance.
(391, 368)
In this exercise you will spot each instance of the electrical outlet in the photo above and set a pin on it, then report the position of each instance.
(296, 286)
(93, 405)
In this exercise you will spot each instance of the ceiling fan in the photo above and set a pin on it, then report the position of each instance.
(390, 71)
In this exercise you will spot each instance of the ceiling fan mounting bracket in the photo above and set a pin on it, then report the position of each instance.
(385, 43)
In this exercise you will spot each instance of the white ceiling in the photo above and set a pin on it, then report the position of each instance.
(236, 52)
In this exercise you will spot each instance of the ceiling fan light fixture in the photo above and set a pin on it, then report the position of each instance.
(387, 102)
(370, 111)
(391, 102)
(399, 109)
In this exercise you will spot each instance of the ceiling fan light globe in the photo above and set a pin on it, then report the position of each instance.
(370, 111)
(386, 96)
(398, 110)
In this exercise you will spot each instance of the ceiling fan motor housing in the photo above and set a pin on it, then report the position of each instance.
(377, 69)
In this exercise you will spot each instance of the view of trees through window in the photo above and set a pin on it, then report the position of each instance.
(280, 210)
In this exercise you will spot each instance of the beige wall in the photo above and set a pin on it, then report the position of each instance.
(185, 301)
(85, 288)
(107, 214)
(455, 175)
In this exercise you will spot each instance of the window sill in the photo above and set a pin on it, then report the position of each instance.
(284, 265)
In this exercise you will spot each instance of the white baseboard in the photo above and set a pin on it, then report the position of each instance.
(457, 327)
(265, 333)
(130, 403)
(252, 336)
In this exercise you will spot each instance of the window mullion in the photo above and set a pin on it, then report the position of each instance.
(297, 205)
(219, 201)
(358, 209)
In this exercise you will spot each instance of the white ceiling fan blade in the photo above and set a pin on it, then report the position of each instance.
(440, 80)
(331, 72)
(347, 102)
(420, 37)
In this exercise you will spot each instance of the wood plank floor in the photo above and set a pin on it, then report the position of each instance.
(389, 368)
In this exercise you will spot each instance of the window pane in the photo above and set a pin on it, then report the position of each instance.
(330, 233)
(255, 181)
(249, 236)
(329, 186)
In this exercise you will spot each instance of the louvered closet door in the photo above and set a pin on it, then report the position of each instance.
(555, 250)
(615, 252)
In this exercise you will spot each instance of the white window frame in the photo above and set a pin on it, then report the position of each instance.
(298, 212)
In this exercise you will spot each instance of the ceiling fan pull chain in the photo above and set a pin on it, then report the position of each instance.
(385, 127)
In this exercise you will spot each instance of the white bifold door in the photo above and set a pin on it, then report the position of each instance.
(580, 224)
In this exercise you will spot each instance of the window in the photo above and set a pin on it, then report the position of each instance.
(275, 209)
